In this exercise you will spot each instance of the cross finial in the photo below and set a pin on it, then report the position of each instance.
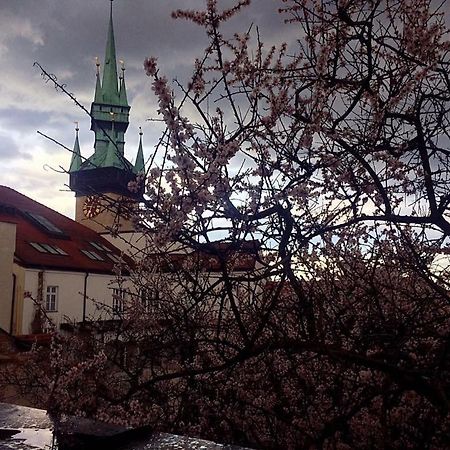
(140, 131)
(76, 126)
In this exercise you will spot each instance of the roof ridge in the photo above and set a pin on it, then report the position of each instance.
(47, 208)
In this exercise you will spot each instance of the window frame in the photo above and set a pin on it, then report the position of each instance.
(51, 298)
(93, 256)
(149, 299)
(50, 249)
(118, 301)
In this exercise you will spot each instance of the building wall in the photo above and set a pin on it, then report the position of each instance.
(132, 243)
(7, 248)
(70, 296)
(19, 273)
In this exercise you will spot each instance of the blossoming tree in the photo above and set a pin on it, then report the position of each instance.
(325, 162)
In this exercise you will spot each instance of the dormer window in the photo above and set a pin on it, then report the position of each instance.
(44, 223)
(48, 248)
(92, 255)
(100, 247)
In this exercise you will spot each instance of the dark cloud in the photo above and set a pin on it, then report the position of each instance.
(9, 149)
(65, 36)
(25, 121)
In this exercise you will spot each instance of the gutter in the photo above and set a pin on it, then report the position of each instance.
(85, 296)
(13, 304)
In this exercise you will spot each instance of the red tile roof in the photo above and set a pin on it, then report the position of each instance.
(76, 237)
(240, 256)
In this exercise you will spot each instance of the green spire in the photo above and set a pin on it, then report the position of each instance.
(98, 97)
(139, 166)
(109, 112)
(123, 91)
(112, 158)
(75, 163)
(109, 84)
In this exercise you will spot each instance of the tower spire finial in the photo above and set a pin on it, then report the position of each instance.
(109, 84)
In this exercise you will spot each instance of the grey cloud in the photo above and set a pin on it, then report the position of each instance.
(65, 36)
(9, 149)
(22, 120)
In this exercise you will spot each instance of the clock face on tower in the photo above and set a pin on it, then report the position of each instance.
(92, 206)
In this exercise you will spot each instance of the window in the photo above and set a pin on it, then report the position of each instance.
(93, 255)
(99, 246)
(51, 299)
(115, 258)
(38, 247)
(118, 305)
(149, 299)
(47, 248)
(44, 223)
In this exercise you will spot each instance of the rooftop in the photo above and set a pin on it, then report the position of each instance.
(47, 239)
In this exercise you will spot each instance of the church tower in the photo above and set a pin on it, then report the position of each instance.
(100, 182)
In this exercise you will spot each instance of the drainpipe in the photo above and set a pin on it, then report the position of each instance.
(85, 296)
(13, 305)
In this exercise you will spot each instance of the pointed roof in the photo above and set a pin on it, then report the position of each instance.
(98, 97)
(139, 166)
(123, 91)
(112, 158)
(109, 83)
(75, 163)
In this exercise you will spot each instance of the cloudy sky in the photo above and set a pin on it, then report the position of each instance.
(65, 36)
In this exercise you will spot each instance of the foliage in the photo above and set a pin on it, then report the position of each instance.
(329, 155)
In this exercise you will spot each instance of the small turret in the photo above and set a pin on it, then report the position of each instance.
(98, 96)
(139, 165)
(75, 163)
(122, 90)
